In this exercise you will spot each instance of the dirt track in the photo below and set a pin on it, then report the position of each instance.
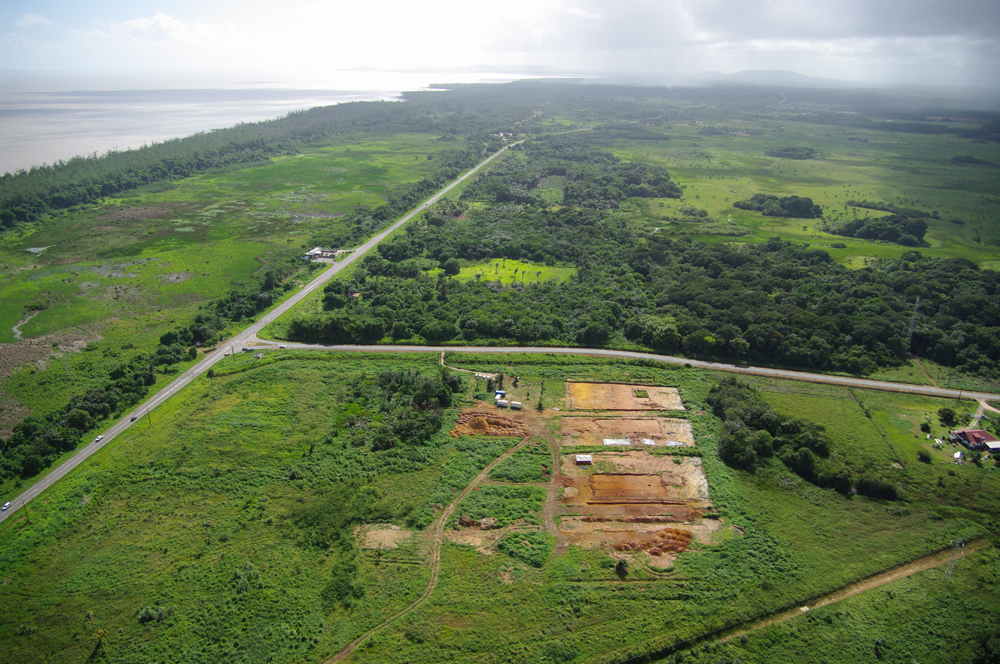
(919, 565)
(901, 572)
(437, 538)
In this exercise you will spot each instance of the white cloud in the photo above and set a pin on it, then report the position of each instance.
(840, 39)
(31, 20)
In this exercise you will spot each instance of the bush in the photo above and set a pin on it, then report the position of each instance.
(947, 416)
(924, 456)
(154, 613)
(875, 487)
(532, 548)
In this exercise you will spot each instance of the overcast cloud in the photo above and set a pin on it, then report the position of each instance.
(902, 41)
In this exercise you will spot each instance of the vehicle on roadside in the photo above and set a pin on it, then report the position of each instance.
(6, 506)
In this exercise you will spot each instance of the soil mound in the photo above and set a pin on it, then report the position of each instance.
(476, 423)
(658, 543)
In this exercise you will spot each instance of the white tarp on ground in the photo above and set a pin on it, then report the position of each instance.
(676, 443)
(938, 441)
(617, 441)
(648, 441)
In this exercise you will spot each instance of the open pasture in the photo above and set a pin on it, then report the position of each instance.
(908, 170)
(508, 271)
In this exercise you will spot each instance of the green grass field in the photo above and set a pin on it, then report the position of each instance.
(509, 270)
(166, 250)
(909, 170)
(180, 511)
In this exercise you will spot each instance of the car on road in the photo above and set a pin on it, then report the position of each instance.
(281, 346)
(226, 353)
(6, 506)
(133, 418)
(99, 439)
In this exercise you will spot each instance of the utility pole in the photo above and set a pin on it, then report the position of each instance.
(149, 420)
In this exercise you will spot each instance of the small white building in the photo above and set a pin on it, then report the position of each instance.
(584, 459)
(515, 405)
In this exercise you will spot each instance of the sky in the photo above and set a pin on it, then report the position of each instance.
(939, 42)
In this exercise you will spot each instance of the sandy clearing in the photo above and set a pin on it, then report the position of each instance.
(614, 396)
(593, 430)
(382, 536)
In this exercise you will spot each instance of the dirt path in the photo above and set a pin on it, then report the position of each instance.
(17, 328)
(984, 406)
(918, 565)
(539, 428)
(437, 538)
(921, 367)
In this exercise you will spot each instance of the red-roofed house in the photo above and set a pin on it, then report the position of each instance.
(977, 439)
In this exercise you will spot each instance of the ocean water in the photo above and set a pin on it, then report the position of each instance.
(55, 116)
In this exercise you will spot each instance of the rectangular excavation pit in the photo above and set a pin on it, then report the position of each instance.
(615, 396)
(596, 431)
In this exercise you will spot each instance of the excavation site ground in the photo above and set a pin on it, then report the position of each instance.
(633, 498)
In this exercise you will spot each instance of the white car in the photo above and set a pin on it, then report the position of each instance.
(6, 506)
(281, 346)
(99, 439)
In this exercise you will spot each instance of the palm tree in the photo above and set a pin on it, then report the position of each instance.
(538, 274)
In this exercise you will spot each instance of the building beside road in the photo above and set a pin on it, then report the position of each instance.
(976, 439)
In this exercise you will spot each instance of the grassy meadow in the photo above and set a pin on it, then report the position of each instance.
(182, 540)
(908, 170)
(158, 251)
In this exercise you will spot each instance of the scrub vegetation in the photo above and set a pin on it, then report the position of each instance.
(229, 527)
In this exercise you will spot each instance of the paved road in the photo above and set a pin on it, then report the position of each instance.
(232, 345)
(668, 359)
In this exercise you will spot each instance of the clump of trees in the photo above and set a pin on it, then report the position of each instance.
(786, 206)
(595, 178)
(792, 153)
(890, 228)
(753, 432)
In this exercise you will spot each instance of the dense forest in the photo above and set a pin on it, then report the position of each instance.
(775, 302)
